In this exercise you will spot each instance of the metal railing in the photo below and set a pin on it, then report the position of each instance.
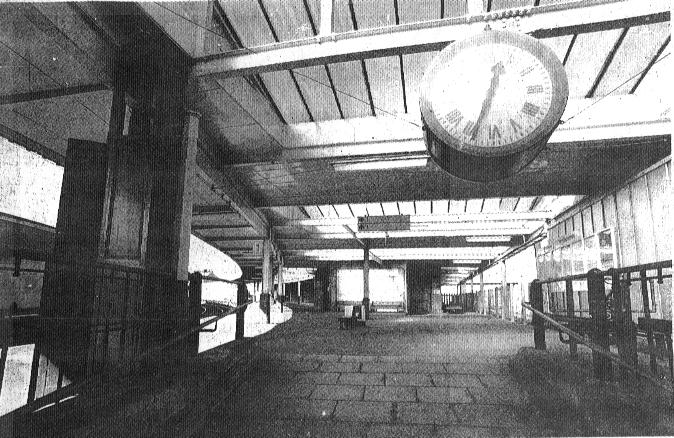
(611, 317)
(185, 325)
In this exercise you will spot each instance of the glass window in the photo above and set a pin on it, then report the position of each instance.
(590, 253)
(606, 253)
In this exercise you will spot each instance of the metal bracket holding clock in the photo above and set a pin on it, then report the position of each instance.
(489, 104)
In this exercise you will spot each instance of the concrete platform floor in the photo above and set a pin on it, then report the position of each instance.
(417, 376)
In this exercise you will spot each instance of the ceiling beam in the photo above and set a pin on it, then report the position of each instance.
(593, 119)
(483, 218)
(543, 22)
(401, 242)
(216, 179)
(30, 96)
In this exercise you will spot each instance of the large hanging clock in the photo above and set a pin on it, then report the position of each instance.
(490, 103)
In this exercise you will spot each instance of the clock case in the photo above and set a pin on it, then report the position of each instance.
(483, 164)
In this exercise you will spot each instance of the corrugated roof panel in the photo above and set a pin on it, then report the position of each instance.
(374, 13)
(474, 205)
(359, 210)
(385, 85)
(525, 203)
(491, 205)
(246, 97)
(441, 206)
(343, 210)
(497, 5)
(289, 18)
(317, 92)
(413, 11)
(374, 209)
(284, 93)
(406, 208)
(423, 207)
(659, 76)
(455, 8)
(228, 111)
(508, 204)
(587, 56)
(313, 211)
(327, 210)
(341, 18)
(415, 66)
(457, 205)
(390, 208)
(350, 86)
(637, 49)
(248, 22)
(559, 45)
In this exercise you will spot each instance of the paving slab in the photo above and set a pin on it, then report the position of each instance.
(444, 394)
(322, 357)
(316, 377)
(302, 408)
(469, 432)
(349, 358)
(483, 415)
(381, 367)
(340, 367)
(425, 413)
(408, 379)
(306, 365)
(338, 392)
(456, 380)
(369, 411)
(398, 359)
(390, 393)
(399, 431)
(361, 378)
(423, 367)
(496, 395)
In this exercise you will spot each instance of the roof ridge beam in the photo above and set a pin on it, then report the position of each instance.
(541, 21)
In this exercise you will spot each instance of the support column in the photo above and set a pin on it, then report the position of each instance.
(267, 280)
(186, 183)
(483, 297)
(241, 298)
(281, 286)
(626, 331)
(536, 298)
(366, 282)
(597, 296)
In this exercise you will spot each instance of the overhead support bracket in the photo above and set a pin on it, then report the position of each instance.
(373, 257)
(239, 202)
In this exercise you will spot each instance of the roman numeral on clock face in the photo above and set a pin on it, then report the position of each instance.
(494, 132)
(533, 89)
(452, 118)
(530, 109)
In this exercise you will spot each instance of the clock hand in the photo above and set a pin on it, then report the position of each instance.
(497, 70)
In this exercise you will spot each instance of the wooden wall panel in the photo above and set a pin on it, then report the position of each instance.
(597, 216)
(627, 243)
(659, 186)
(610, 214)
(643, 221)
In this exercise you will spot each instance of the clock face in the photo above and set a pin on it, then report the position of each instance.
(492, 95)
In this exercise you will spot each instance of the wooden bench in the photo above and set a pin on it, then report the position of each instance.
(387, 306)
(351, 318)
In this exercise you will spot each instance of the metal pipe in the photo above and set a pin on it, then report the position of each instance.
(596, 348)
